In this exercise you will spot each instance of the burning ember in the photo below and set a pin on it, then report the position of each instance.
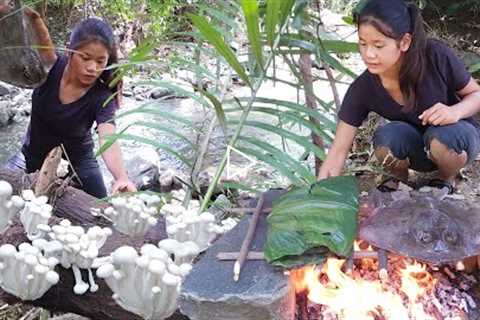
(410, 291)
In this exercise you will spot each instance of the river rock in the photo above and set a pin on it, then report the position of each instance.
(263, 291)
(158, 93)
(6, 114)
(4, 89)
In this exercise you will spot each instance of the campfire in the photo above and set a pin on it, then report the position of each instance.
(411, 290)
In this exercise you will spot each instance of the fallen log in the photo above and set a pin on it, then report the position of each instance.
(74, 205)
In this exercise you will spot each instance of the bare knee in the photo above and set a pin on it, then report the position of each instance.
(439, 152)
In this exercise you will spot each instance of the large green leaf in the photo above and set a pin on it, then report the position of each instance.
(215, 39)
(321, 215)
(250, 11)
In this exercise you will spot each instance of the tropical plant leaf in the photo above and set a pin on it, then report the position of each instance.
(282, 157)
(215, 39)
(177, 89)
(250, 11)
(167, 129)
(109, 141)
(152, 109)
(303, 141)
(272, 19)
(323, 214)
(222, 120)
(156, 144)
(269, 159)
(330, 124)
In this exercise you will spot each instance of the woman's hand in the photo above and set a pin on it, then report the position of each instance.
(335, 160)
(439, 115)
(123, 185)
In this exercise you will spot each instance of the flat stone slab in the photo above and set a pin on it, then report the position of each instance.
(263, 291)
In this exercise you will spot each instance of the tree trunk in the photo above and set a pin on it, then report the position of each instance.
(305, 64)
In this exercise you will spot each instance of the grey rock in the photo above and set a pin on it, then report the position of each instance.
(161, 93)
(127, 93)
(263, 291)
(6, 113)
(4, 89)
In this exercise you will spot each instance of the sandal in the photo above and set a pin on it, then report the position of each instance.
(440, 184)
(384, 187)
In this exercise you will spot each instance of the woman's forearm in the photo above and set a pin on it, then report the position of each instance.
(43, 41)
(113, 159)
(469, 106)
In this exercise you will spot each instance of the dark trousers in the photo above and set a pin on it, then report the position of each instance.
(406, 141)
(87, 169)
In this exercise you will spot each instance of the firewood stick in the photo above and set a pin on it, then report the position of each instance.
(258, 255)
(382, 264)
(248, 240)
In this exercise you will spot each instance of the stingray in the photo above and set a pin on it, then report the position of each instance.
(429, 228)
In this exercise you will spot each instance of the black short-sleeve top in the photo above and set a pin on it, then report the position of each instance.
(444, 76)
(53, 123)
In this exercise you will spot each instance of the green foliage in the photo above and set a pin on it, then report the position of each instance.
(323, 214)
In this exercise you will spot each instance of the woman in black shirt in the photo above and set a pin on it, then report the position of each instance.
(74, 96)
(420, 86)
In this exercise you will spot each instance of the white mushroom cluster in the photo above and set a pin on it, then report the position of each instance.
(74, 248)
(9, 205)
(26, 273)
(186, 224)
(35, 212)
(134, 215)
(147, 284)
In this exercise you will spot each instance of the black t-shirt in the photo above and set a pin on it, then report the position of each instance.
(53, 123)
(445, 75)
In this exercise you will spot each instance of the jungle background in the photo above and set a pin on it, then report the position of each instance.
(237, 96)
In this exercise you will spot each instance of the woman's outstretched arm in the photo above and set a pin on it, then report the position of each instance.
(113, 159)
(46, 49)
(335, 160)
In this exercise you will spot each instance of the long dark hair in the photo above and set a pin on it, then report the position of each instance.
(93, 29)
(395, 18)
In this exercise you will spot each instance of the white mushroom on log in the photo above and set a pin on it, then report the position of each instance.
(9, 205)
(74, 248)
(134, 215)
(26, 273)
(147, 284)
(35, 212)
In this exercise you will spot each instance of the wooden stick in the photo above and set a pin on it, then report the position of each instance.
(248, 240)
(382, 264)
(246, 210)
(258, 255)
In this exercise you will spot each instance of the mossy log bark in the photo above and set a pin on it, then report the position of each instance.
(74, 205)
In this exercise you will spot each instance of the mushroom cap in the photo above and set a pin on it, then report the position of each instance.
(28, 195)
(7, 251)
(118, 202)
(156, 266)
(168, 245)
(5, 188)
(147, 248)
(52, 277)
(125, 254)
(105, 271)
(185, 268)
(17, 202)
(170, 279)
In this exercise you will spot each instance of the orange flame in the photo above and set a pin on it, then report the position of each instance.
(359, 299)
